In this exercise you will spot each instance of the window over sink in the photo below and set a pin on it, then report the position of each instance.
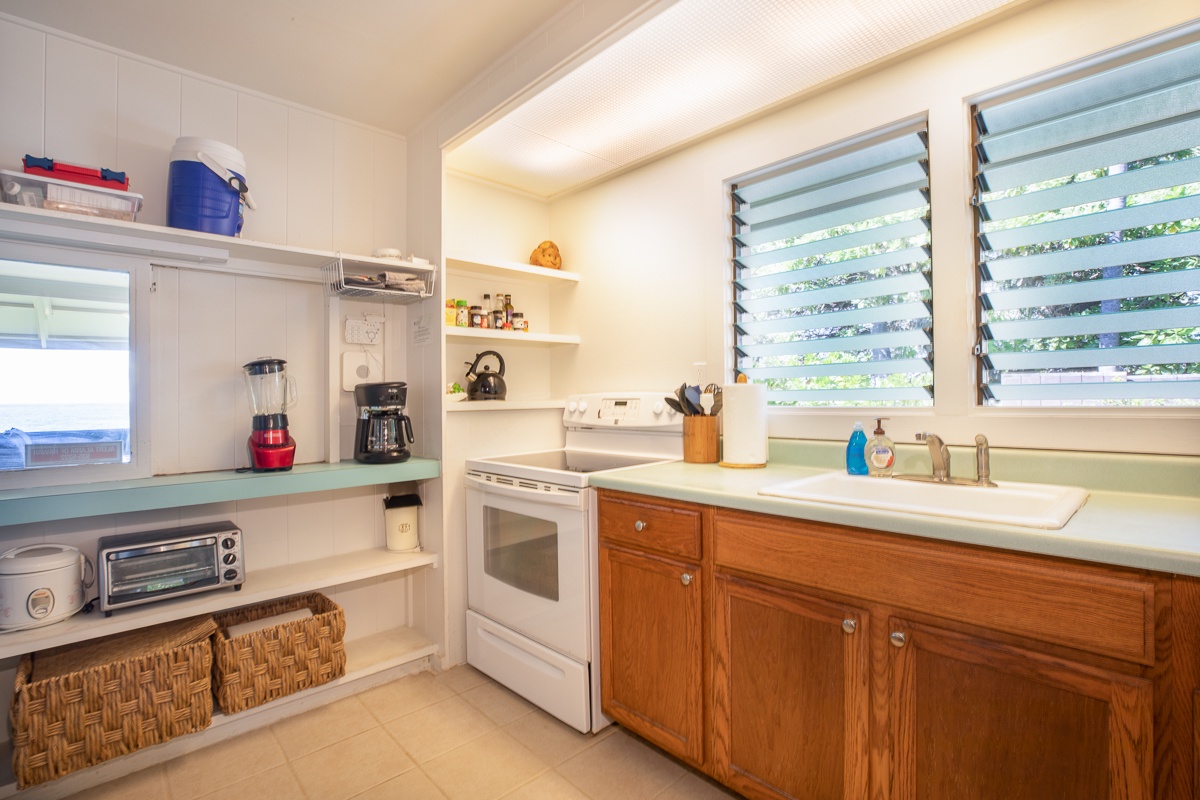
(833, 300)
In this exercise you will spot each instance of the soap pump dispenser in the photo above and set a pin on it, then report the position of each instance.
(880, 452)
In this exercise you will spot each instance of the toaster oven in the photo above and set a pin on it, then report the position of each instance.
(137, 568)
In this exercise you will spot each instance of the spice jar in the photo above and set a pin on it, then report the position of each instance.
(462, 314)
(518, 322)
(476, 316)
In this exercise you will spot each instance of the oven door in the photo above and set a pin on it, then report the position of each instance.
(527, 561)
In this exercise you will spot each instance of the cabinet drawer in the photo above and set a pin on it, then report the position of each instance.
(1107, 611)
(661, 526)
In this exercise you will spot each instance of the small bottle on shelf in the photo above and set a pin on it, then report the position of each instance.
(486, 318)
(462, 314)
(508, 312)
(498, 312)
(519, 322)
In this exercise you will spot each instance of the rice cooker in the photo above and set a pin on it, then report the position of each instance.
(41, 584)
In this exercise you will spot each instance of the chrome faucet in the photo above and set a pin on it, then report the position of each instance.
(983, 469)
(939, 457)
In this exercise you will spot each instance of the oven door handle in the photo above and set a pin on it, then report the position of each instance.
(558, 497)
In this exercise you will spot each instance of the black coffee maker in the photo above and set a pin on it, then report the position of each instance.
(383, 431)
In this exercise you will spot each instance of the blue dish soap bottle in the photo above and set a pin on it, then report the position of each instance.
(856, 461)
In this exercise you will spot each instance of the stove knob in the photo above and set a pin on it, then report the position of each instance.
(230, 574)
(571, 406)
(228, 558)
(658, 408)
(228, 544)
(582, 406)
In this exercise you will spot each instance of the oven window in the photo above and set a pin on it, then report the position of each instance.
(521, 551)
(159, 572)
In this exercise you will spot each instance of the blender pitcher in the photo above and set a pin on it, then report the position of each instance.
(271, 392)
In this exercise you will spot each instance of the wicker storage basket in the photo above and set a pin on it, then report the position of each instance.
(258, 667)
(78, 718)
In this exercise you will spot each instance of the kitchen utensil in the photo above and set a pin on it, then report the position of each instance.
(706, 403)
(718, 400)
(486, 385)
(693, 397)
(681, 396)
(383, 429)
(271, 392)
(674, 404)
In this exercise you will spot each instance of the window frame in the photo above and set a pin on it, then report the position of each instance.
(140, 381)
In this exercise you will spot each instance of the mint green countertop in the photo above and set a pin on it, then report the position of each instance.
(1143, 511)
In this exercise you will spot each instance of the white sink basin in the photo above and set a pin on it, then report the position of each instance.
(1032, 505)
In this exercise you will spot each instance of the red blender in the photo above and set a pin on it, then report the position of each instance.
(271, 391)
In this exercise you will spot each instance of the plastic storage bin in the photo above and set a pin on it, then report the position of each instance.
(38, 191)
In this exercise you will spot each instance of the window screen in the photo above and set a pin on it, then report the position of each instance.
(832, 275)
(1089, 238)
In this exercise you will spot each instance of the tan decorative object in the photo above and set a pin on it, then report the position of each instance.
(100, 710)
(700, 443)
(258, 667)
(546, 255)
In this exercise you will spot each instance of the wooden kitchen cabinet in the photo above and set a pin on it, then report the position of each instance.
(975, 718)
(836, 662)
(651, 624)
(790, 693)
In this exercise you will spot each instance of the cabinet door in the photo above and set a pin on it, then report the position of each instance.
(976, 719)
(650, 651)
(790, 700)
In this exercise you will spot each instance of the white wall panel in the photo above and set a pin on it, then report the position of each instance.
(148, 102)
(310, 180)
(81, 104)
(310, 526)
(306, 363)
(262, 138)
(264, 524)
(22, 85)
(354, 525)
(212, 412)
(390, 173)
(164, 395)
(353, 188)
(391, 601)
(208, 111)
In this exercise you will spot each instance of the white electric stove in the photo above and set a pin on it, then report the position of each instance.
(532, 585)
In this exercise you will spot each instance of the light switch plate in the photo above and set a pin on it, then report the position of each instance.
(358, 368)
(364, 331)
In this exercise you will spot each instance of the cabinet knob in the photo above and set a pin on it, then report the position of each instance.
(639, 526)
(849, 625)
(898, 639)
(685, 578)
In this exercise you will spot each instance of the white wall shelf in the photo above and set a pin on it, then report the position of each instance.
(44, 504)
(496, 268)
(260, 586)
(508, 337)
(18, 223)
(503, 405)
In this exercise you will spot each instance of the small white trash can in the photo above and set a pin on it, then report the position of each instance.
(400, 517)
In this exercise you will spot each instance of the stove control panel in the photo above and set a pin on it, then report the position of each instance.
(623, 410)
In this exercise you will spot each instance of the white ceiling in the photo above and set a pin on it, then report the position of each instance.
(696, 66)
(387, 63)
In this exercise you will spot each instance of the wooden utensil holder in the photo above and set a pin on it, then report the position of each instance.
(700, 440)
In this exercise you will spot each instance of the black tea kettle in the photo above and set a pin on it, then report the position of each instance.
(486, 385)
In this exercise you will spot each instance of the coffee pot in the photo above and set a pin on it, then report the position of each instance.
(486, 385)
(384, 431)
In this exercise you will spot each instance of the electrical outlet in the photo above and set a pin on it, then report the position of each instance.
(364, 331)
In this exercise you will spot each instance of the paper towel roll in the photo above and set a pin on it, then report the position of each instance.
(743, 425)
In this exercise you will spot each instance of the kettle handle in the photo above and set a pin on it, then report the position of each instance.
(499, 358)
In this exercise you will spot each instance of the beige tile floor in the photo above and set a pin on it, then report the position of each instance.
(457, 735)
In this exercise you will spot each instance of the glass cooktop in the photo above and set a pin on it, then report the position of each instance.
(574, 460)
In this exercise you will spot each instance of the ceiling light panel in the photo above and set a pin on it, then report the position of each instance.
(698, 65)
